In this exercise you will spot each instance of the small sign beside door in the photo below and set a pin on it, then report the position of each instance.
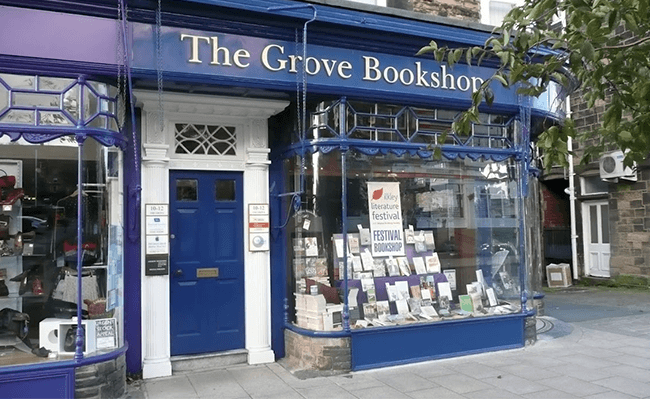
(258, 227)
(156, 239)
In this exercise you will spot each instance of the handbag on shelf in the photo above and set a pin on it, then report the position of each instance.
(66, 288)
(88, 255)
(8, 193)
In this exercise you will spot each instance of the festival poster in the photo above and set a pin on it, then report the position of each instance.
(386, 231)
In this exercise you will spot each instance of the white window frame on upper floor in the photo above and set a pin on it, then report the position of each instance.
(486, 17)
(381, 3)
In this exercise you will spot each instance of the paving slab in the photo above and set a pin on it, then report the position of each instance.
(626, 385)
(436, 393)
(463, 384)
(495, 393)
(516, 384)
(574, 386)
(382, 392)
(550, 394)
(330, 391)
(217, 384)
(356, 381)
(170, 388)
(627, 371)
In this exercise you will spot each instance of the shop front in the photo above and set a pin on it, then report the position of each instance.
(62, 228)
(261, 205)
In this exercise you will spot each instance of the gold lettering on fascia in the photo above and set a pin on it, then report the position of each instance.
(274, 59)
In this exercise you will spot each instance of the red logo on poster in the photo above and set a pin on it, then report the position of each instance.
(376, 195)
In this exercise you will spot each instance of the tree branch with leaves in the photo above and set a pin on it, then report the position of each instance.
(601, 50)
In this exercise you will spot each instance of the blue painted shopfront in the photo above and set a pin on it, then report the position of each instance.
(253, 48)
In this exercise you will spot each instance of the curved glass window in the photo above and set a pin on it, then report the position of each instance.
(401, 238)
(41, 260)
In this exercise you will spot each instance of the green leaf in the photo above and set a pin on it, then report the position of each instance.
(458, 53)
(612, 19)
(593, 27)
(477, 97)
(625, 136)
(501, 79)
(424, 50)
(489, 96)
(506, 38)
(612, 116)
(587, 50)
(439, 55)
(630, 22)
(536, 11)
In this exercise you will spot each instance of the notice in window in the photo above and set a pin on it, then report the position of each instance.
(385, 213)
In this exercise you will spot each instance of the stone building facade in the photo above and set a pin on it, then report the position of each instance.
(466, 10)
(628, 202)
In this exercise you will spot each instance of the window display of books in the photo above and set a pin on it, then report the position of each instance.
(394, 288)
(360, 258)
(312, 312)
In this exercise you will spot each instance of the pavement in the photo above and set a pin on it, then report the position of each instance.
(592, 343)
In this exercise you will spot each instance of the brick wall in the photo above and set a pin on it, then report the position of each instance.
(554, 209)
(317, 354)
(467, 10)
(629, 217)
(105, 380)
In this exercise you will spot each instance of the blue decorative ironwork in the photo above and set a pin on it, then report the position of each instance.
(39, 109)
(405, 124)
(380, 129)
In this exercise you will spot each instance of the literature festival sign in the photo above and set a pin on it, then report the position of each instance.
(384, 208)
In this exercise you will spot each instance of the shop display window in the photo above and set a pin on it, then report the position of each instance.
(403, 238)
(38, 249)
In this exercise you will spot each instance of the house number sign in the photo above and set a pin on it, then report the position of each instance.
(156, 239)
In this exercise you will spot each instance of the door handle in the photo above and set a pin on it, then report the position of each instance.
(178, 273)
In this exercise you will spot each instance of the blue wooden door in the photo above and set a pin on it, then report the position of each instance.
(206, 261)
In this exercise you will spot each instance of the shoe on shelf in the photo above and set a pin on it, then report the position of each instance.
(13, 196)
(37, 287)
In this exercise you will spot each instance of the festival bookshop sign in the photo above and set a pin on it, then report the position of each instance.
(385, 213)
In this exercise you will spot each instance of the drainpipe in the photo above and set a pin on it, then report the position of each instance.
(572, 201)
(572, 187)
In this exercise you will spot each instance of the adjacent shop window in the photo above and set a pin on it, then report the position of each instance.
(427, 240)
(225, 190)
(205, 139)
(38, 248)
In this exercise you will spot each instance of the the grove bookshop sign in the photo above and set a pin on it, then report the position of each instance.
(275, 62)
(385, 212)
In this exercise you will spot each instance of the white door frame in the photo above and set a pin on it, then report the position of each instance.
(250, 117)
(587, 240)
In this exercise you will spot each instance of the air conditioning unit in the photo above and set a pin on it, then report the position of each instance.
(612, 167)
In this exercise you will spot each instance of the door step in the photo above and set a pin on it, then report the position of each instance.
(208, 361)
